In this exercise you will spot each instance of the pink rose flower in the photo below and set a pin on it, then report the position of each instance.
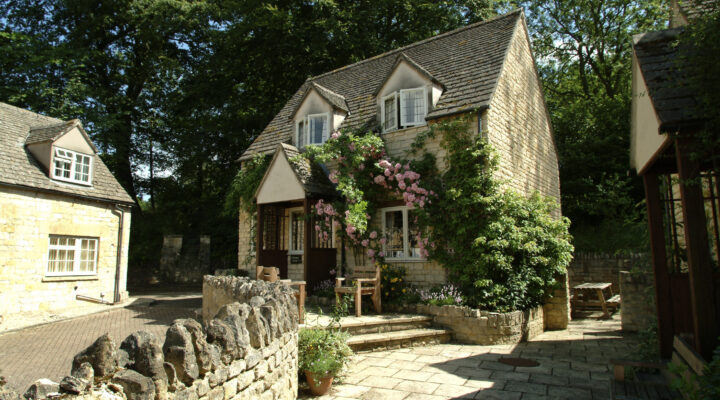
(365, 243)
(373, 235)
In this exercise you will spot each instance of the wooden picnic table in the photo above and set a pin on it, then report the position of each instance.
(580, 298)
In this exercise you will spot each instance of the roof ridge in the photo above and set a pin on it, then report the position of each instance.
(414, 44)
(331, 91)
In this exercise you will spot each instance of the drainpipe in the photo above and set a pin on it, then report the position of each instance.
(118, 260)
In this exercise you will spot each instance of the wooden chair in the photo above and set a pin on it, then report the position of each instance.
(272, 274)
(365, 281)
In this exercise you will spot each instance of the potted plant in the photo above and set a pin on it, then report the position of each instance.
(322, 353)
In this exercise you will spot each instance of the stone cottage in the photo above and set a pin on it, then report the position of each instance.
(64, 219)
(484, 72)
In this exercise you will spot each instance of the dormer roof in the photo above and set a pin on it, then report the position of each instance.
(54, 132)
(467, 61)
(405, 58)
(334, 99)
(20, 169)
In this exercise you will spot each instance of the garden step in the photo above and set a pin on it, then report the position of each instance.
(387, 324)
(397, 339)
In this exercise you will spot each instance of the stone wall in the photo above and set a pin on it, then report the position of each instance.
(27, 219)
(637, 311)
(556, 309)
(602, 267)
(519, 125)
(247, 351)
(483, 327)
(246, 250)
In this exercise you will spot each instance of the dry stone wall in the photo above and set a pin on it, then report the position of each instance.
(486, 328)
(601, 267)
(245, 350)
(638, 309)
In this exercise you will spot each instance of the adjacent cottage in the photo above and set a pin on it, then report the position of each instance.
(682, 189)
(484, 72)
(64, 219)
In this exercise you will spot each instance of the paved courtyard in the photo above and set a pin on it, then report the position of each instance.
(574, 364)
(46, 351)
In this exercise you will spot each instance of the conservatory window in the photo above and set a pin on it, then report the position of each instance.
(71, 166)
(406, 106)
(401, 231)
(313, 129)
(72, 256)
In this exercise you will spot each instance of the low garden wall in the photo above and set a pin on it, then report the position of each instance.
(486, 328)
(245, 350)
(602, 267)
(637, 311)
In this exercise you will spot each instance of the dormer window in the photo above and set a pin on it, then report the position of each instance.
(408, 106)
(313, 129)
(71, 166)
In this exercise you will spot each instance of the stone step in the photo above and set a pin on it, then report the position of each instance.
(382, 325)
(397, 339)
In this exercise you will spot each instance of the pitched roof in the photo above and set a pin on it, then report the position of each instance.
(467, 61)
(667, 80)
(20, 168)
(404, 57)
(55, 131)
(311, 175)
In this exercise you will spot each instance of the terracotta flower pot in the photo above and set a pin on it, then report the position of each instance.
(319, 385)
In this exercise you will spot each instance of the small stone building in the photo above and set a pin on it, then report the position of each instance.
(484, 72)
(64, 219)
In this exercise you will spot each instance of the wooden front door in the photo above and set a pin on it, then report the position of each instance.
(273, 250)
(321, 259)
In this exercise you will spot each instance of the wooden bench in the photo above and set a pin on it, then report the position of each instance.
(655, 386)
(272, 274)
(365, 281)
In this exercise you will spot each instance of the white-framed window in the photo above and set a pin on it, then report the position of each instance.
(403, 109)
(297, 231)
(389, 112)
(68, 255)
(401, 231)
(313, 129)
(72, 166)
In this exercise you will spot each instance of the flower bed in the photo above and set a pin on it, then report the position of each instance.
(483, 327)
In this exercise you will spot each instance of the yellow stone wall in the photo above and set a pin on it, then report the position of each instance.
(27, 219)
(246, 254)
(518, 125)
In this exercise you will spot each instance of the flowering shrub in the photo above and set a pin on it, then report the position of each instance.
(394, 285)
(447, 295)
(364, 173)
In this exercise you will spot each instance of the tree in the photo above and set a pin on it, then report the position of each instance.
(584, 51)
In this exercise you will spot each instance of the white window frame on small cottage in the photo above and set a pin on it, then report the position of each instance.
(67, 256)
(69, 166)
(401, 116)
(407, 256)
(304, 129)
(291, 248)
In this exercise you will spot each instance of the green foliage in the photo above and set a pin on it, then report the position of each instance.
(699, 46)
(583, 48)
(503, 250)
(241, 194)
(323, 351)
(612, 236)
(394, 286)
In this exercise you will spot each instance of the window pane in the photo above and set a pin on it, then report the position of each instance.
(318, 129)
(390, 113)
(394, 234)
(82, 168)
(301, 134)
(298, 232)
(62, 168)
(413, 106)
(53, 241)
(413, 233)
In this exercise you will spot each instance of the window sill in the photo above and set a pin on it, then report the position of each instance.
(406, 260)
(69, 278)
(425, 125)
